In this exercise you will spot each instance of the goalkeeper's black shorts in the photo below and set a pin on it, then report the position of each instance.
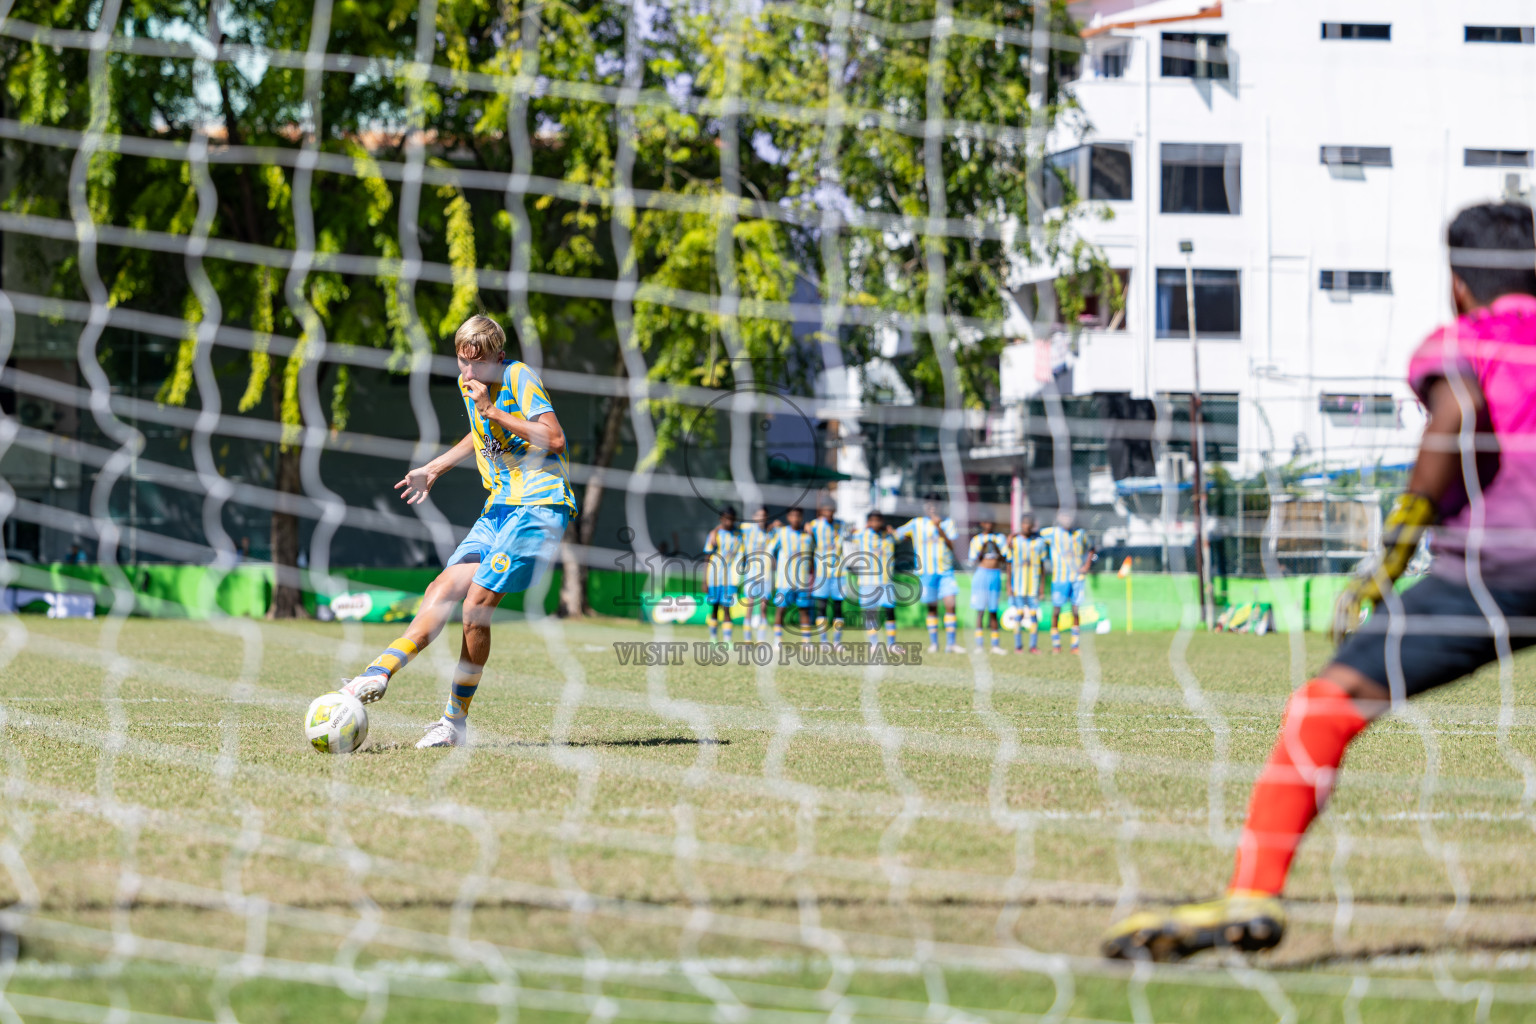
(1443, 636)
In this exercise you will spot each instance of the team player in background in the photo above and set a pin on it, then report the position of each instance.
(1026, 562)
(520, 449)
(723, 548)
(1067, 550)
(869, 555)
(988, 556)
(756, 575)
(828, 585)
(1478, 374)
(933, 539)
(793, 550)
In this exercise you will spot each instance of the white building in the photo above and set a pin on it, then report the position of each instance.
(1313, 153)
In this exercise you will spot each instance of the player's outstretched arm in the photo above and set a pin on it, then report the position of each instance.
(1435, 471)
(417, 482)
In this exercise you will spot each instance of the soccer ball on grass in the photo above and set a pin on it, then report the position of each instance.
(336, 724)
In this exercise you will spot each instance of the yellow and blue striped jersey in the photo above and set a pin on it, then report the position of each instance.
(930, 541)
(514, 471)
(756, 562)
(724, 550)
(979, 545)
(1066, 550)
(793, 552)
(870, 558)
(828, 538)
(1026, 561)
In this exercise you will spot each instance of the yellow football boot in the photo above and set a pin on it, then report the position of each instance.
(1245, 921)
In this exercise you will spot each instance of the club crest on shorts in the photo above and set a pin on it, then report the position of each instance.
(500, 562)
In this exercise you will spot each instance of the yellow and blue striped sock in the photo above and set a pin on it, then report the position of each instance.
(395, 657)
(933, 630)
(714, 633)
(890, 631)
(1056, 639)
(837, 630)
(1018, 636)
(949, 629)
(996, 644)
(727, 628)
(778, 633)
(1076, 634)
(465, 680)
(821, 628)
(872, 631)
(979, 635)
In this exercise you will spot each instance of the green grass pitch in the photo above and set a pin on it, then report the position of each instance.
(942, 842)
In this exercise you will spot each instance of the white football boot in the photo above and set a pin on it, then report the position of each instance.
(366, 688)
(442, 733)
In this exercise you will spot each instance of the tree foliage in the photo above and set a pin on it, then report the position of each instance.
(856, 127)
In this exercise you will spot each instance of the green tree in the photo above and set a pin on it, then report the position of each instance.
(788, 146)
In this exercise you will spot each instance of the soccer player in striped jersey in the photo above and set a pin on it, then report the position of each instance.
(933, 539)
(1067, 550)
(756, 574)
(987, 556)
(870, 558)
(1026, 560)
(793, 550)
(723, 548)
(827, 587)
(520, 449)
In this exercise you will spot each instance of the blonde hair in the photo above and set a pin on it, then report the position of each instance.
(480, 337)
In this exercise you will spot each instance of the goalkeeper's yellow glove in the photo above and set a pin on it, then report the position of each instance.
(1400, 535)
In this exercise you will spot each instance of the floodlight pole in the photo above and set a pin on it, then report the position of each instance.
(1197, 440)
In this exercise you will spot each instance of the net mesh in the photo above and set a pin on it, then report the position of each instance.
(677, 841)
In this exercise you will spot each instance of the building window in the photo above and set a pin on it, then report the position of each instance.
(1497, 157)
(1218, 414)
(1109, 172)
(1353, 281)
(1111, 60)
(1357, 156)
(1201, 178)
(1355, 30)
(1101, 170)
(1501, 34)
(1194, 55)
(1099, 313)
(1218, 303)
(1378, 411)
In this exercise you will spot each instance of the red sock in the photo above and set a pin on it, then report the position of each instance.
(1320, 720)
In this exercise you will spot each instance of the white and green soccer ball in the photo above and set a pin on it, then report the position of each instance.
(336, 724)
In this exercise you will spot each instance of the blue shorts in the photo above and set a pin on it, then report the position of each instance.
(829, 589)
(514, 544)
(986, 590)
(792, 597)
(874, 595)
(721, 595)
(756, 590)
(937, 586)
(1068, 592)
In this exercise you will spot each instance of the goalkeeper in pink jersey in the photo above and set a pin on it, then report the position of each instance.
(1475, 481)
